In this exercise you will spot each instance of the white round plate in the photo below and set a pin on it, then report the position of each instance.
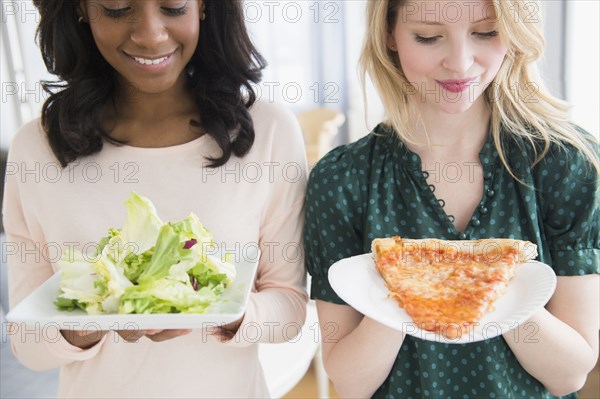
(359, 284)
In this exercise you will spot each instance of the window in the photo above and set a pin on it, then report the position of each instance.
(582, 63)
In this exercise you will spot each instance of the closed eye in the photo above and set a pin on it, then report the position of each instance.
(120, 12)
(426, 39)
(115, 12)
(175, 11)
(486, 35)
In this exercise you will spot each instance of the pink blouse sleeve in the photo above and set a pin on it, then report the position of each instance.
(39, 348)
(277, 309)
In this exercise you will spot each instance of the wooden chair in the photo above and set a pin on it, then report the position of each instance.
(319, 127)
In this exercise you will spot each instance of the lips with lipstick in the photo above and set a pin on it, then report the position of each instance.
(455, 86)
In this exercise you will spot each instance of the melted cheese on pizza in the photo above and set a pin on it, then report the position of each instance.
(447, 286)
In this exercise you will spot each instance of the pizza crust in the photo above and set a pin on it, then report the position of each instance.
(526, 250)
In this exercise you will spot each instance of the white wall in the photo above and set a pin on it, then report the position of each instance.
(582, 63)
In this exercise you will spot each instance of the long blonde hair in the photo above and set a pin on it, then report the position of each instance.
(517, 97)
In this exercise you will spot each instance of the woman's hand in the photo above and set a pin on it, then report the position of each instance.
(358, 352)
(87, 339)
(153, 335)
(228, 331)
(83, 339)
(564, 347)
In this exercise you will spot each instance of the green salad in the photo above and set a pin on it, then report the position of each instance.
(146, 267)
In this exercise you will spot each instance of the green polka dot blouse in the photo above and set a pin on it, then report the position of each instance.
(375, 188)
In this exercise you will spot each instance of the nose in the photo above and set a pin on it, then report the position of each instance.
(148, 29)
(459, 57)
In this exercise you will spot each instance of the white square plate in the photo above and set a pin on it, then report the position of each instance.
(38, 309)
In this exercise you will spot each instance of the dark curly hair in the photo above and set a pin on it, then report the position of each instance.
(226, 64)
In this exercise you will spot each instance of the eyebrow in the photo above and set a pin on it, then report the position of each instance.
(439, 23)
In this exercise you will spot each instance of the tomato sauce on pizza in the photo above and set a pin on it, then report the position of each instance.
(448, 286)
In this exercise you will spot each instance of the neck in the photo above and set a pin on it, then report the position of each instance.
(452, 132)
(133, 106)
(141, 119)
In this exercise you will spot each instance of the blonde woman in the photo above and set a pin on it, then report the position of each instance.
(473, 147)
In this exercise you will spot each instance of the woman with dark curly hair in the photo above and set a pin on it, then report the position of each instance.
(155, 96)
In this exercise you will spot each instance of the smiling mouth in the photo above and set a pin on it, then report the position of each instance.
(150, 60)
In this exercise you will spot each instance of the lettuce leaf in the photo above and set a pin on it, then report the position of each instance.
(205, 248)
(134, 264)
(78, 283)
(166, 295)
(142, 225)
(169, 251)
(146, 267)
(112, 281)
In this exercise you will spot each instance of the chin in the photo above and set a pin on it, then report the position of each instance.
(455, 109)
(154, 87)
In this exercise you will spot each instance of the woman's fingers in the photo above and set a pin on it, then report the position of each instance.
(83, 339)
(165, 335)
(132, 335)
(154, 335)
(223, 334)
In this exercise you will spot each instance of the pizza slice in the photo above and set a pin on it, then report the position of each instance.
(448, 286)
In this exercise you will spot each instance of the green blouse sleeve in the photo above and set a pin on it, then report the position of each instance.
(332, 227)
(571, 215)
